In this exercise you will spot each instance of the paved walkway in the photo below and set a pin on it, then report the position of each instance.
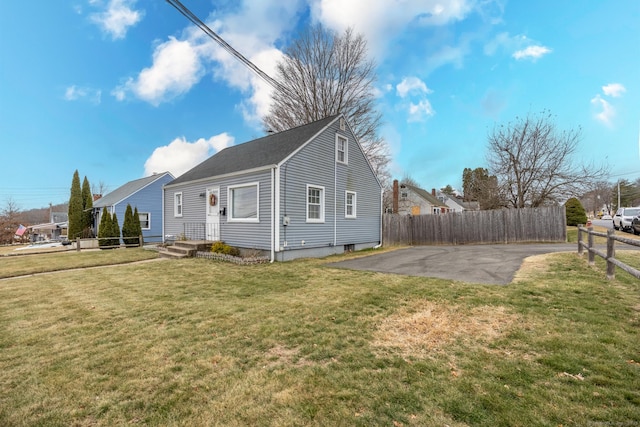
(487, 264)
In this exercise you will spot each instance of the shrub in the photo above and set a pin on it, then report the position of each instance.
(104, 230)
(115, 230)
(222, 248)
(129, 227)
(575, 212)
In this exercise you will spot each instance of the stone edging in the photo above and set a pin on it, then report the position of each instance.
(231, 258)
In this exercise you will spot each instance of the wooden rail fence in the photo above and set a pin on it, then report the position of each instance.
(547, 224)
(609, 256)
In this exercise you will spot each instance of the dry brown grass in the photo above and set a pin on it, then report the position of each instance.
(426, 328)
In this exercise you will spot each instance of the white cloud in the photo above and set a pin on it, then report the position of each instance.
(411, 85)
(614, 89)
(604, 110)
(76, 93)
(531, 52)
(381, 20)
(176, 68)
(420, 111)
(117, 18)
(520, 46)
(181, 155)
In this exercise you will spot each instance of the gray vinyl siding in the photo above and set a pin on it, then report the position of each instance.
(249, 235)
(240, 234)
(315, 165)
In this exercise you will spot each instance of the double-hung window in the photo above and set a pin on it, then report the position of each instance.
(350, 204)
(145, 220)
(315, 203)
(243, 203)
(177, 206)
(342, 149)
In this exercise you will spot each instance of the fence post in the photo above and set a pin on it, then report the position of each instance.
(592, 255)
(78, 244)
(140, 241)
(580, 249)
(611, 253)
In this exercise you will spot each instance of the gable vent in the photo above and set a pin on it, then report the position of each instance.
(343, 125)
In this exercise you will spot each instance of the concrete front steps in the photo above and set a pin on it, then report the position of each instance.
(185, 249)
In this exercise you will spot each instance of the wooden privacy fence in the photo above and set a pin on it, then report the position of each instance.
(547, 224)
(612, 262)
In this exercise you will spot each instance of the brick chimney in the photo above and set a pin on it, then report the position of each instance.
(395, 196)
(433, 192)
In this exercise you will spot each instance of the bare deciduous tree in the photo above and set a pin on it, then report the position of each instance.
(10, 218)
(533, 161)
(323, 74)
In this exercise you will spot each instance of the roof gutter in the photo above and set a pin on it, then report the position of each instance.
(226, 175)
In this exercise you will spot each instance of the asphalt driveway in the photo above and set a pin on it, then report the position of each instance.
(487, 264)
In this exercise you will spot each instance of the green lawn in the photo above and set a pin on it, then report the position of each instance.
(12, 266)
(199, 342)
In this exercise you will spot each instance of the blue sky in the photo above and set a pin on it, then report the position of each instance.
(119, 89)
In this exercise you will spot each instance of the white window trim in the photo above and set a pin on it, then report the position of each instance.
(148, 220)
(346, 149)
(230, 189)
(176, 204)
(306, 195)
(354, 204)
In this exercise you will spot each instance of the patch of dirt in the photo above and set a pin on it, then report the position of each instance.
(532, 266)
(428, 328)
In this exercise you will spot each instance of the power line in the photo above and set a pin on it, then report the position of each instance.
(226, 46)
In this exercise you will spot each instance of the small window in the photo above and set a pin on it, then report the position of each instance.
(145, 220)
(341, 149)
(350, 204)
(243, 203)
(177, 208)
(404, 195)
(315, 204)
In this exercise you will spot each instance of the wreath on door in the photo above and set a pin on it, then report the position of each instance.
(212, 199)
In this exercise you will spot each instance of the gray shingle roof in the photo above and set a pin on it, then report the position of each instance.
(265, 151)
(126, 190)
(426, 195)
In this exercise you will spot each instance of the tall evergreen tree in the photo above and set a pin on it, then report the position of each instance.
(138, 226)
(87, 205)
(128, 227)
(104, 231)
(115, 230)
(75, 208)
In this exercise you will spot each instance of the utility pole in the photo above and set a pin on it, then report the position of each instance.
(618, 194)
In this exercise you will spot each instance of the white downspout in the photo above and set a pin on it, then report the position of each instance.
(274, 215)
(379, 245)
(335, 199)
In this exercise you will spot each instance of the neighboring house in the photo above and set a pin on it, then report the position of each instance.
(144, 194)
(454, 204)
(416, 201)
(305, 192)
(55, 229)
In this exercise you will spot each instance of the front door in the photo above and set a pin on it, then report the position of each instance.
(212, 232)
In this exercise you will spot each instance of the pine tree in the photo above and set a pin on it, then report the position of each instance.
(115, 230)
(128, 227)
(104, 231)
(137, 226)
(75, 208)
(575, 212)
(87, 208)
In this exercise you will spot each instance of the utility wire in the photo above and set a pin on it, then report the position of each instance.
(226, 46)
